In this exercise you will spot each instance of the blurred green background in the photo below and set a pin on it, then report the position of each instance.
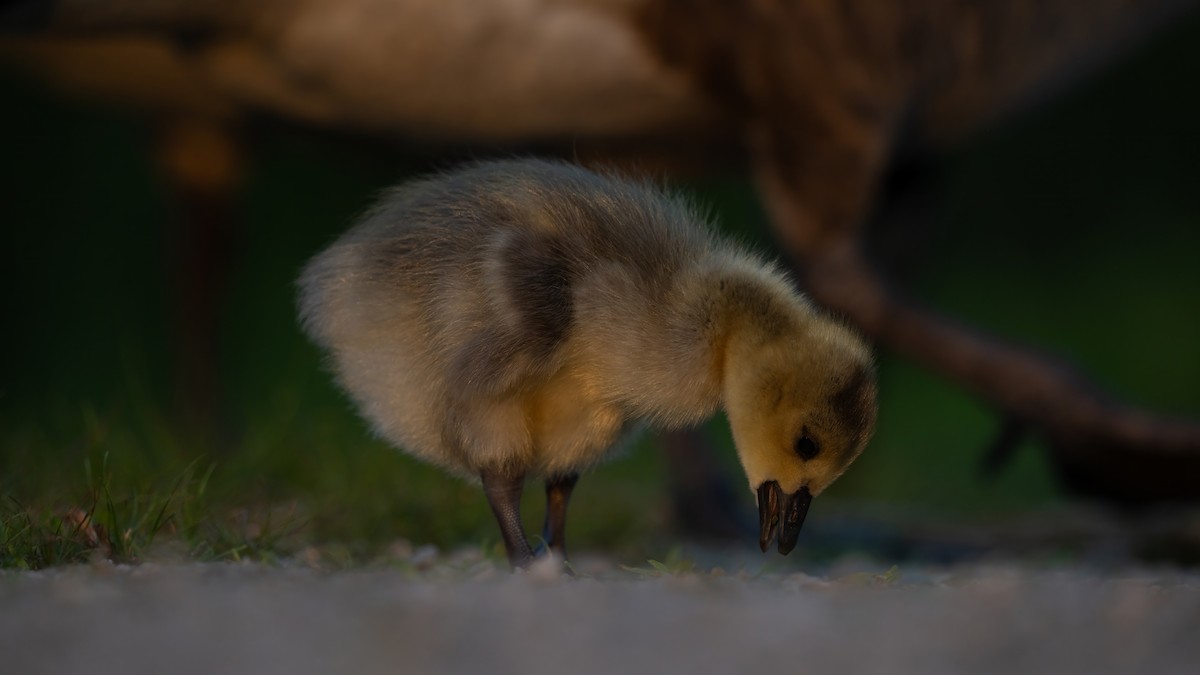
(1075, 228)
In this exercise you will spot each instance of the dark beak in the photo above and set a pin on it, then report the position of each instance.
(782, 513)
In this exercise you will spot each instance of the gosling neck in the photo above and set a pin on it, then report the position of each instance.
(752, 306)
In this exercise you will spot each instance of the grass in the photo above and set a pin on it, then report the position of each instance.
(673, 565)
(125, 524)
(123, 485)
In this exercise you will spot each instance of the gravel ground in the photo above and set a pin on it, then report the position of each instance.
(463, 614)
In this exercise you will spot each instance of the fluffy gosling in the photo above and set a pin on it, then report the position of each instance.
(524, 317)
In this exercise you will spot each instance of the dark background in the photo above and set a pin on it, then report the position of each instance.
(1075, 227)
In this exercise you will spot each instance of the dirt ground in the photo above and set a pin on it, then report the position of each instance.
(460, 613)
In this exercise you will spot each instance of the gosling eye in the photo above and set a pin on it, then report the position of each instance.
(806, 447)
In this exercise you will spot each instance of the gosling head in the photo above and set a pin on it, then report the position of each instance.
(801, 407)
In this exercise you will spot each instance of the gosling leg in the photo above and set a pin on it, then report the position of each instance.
(558, 494)
(503, 490)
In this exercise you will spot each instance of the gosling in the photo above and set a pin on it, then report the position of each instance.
(526, 317)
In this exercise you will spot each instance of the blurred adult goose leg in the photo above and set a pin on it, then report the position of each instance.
(200, 163)
(705, 503)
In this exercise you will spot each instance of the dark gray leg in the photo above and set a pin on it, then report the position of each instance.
(503, 490)
(558, 493)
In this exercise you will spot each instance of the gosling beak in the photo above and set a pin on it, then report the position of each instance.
(773, 507)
